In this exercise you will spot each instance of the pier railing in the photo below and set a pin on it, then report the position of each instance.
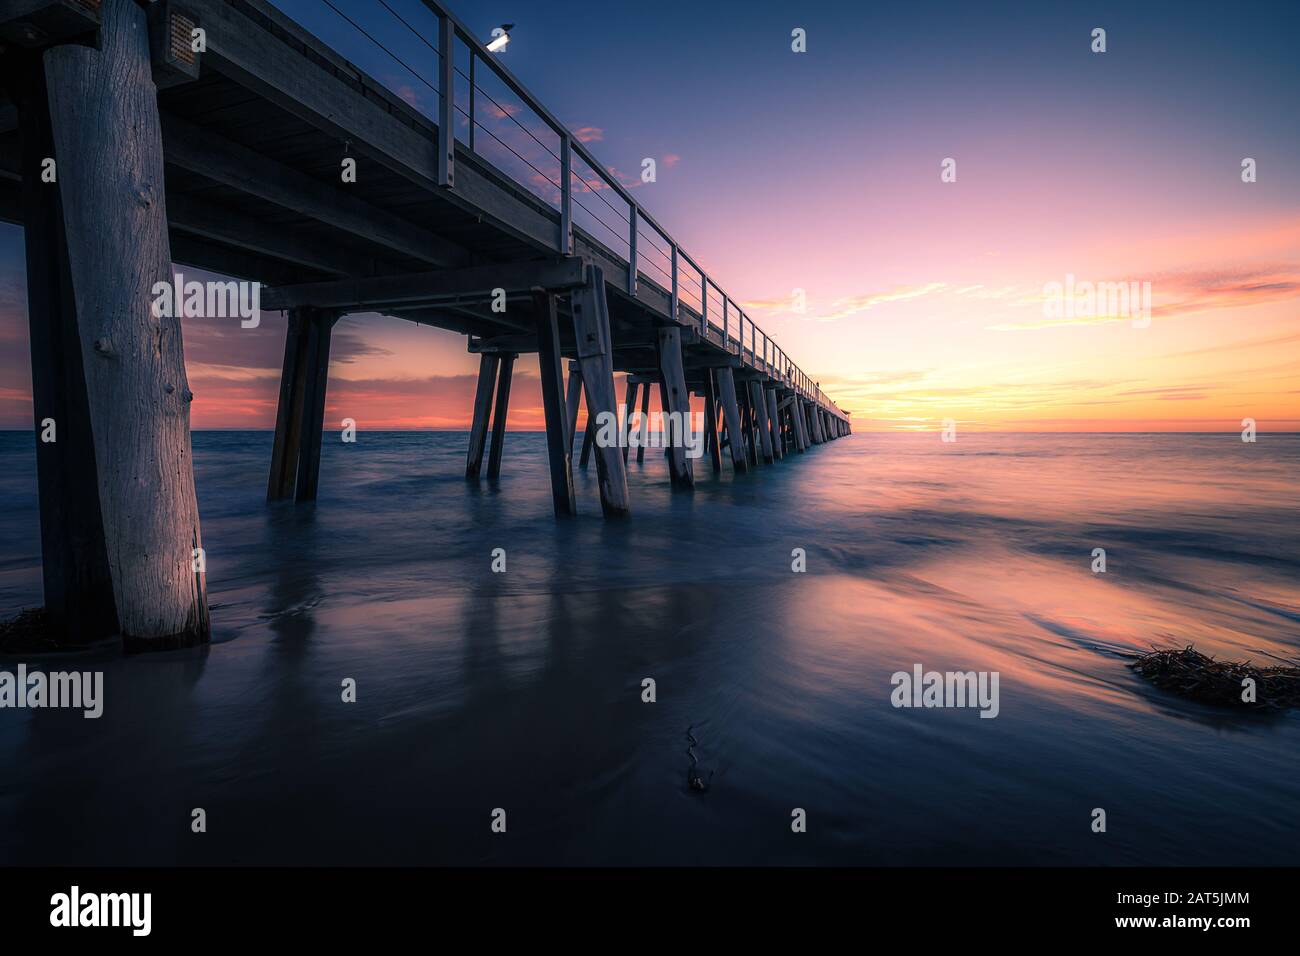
(651, 253)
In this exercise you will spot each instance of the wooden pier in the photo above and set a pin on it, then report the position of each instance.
(228, 158)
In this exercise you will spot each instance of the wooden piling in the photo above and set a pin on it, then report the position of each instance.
(499, 414)
(676, 399)
(558, 436)
(711, 421)
(127, 406)
(487, 373)
(760, 412)
(319, 329)
(731, 414)
(774, 422)
(571, 401)
(287, 443)
(645, 423)
(592, 340)
(629, 404)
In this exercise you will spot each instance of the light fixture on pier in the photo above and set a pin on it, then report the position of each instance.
(500, 37)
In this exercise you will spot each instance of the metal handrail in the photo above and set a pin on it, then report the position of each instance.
(450, 26)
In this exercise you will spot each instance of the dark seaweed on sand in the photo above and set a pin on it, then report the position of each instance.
(1193, 674)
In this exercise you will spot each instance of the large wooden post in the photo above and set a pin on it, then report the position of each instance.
(487, 375)
(320, 326)
(676, 398)
(795, 411)
(596, 354)
(78, 583)
(731, 413)
(558, 437)
(499, 415)
(814, 414)
(102, 229)
(760, 412)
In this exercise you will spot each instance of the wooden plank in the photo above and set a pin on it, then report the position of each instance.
(487, 371)
(591, 336)
(499, 416)
(731, 415)
(677, 400)
(557, 433)
(629, 403)
(104, 105)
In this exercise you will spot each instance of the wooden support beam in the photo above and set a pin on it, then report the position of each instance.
(223, 161)
(711, 421)
(629, 404)
(816, 413)
(487, 373)
(588, 436)
(731, 414)
(774, 422)
(558, 436)
(592, 340)
(474, 284)
(320, 326)
(676, 399)
(760, 414)
(289, 413)
(102, 107)
(796, 418)
(499, 415)
(645, 422)
(572, 400)
(78, 581)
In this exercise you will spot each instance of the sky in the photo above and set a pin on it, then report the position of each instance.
(820, 172)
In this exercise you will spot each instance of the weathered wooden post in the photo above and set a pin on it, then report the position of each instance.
(676, 398)
(731, 414)
(119, 518)
(499, 414)
(487, 374)
(645, 422)
(571, 402)
(558, 436)
(629, 403)
(319, 329)
(711, 420)
(760, 414)
(774, 420)
(596, 355)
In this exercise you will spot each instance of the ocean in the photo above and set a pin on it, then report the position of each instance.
(523, 691)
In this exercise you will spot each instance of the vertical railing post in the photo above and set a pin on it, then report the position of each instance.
(631, 250)
(472, 113)
(674, 281)
(447, 105)
(566, 194)
(704, 304)
(726, 340)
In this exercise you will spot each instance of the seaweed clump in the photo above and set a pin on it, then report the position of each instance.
(1192, 674)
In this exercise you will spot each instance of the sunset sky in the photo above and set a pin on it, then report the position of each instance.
(821, 171)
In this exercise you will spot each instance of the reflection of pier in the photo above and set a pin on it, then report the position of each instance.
(251, 132)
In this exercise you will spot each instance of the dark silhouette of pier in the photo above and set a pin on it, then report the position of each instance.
(228, 157)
